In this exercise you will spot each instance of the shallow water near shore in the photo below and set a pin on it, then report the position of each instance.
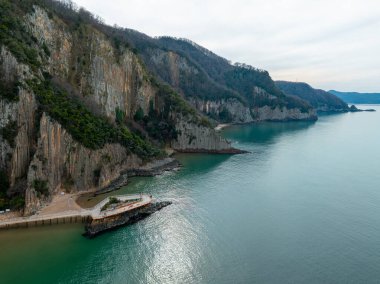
(302, 207)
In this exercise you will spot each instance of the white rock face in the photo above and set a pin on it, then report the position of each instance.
(108, 81)
(239, 113)
(268, 113)
(196, 138)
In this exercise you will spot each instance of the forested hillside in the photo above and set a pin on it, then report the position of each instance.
(357, 98)
(212, 83)
(319, 99)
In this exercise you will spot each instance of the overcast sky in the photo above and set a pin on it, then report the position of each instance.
(331, 44)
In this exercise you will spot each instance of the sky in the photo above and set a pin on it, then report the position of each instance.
(330, 44)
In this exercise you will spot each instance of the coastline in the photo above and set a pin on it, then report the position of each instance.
(65, 208)
(132, 207)
(221, 126)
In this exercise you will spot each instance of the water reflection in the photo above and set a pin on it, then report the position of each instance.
(264, 133)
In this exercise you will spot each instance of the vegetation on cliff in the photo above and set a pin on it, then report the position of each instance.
(14, 35)
(9, 132)
(238, 81)
(6, 201)
(88, 129)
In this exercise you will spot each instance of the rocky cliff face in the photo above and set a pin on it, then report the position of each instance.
(236, 111)
(108, 80)
(197, 138)
(170, 66)
(267, 113)
(64, 164)
(19, 115)
(42, 158)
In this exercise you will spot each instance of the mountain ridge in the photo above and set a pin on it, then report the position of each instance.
(321, 100)
(357, 97)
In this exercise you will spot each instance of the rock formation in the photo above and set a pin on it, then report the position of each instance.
(38, 156)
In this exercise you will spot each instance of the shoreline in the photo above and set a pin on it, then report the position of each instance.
(150, 169)
(81, 215)
(221, 126)
(230, 151)
(64, 208)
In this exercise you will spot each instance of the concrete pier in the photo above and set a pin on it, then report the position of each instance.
(77, 216)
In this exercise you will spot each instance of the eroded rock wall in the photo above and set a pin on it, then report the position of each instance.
(106, 78)
(238, 112)
(64, 164)
(268, 113)
(197, 138)
(18, 114)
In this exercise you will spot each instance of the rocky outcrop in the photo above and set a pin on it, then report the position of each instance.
(15, 157)
(25, 117)
(97, 226)
(53, 35)
(194, 138)
(64, 164)
(268, 113)
(105, 79)
(170, 66)
(119, 85)
(236, 111)
(108, 79)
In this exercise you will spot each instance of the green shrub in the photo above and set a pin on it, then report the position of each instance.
(41, 186)
(120, 116)
(46, 49)
(139, 115)
(15, 36)
(4, 182)
(9, 132)
(112, 200)
(9, 90)
(225, 115)
(17, 202)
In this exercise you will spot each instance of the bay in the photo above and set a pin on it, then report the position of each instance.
(302, 207)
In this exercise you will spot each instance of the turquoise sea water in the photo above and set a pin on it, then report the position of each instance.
(302, 207)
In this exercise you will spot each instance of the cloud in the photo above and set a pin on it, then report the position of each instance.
(331, 44)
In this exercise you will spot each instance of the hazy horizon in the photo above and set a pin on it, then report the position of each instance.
(329, 44)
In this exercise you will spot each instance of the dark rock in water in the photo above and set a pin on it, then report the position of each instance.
(353, 108)
(98, 226)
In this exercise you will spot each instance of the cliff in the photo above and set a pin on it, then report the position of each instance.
(226, 93)
(60, 163)
(78, 107)
(196, 138)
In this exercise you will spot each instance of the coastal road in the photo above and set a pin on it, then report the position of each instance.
(94, 212)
